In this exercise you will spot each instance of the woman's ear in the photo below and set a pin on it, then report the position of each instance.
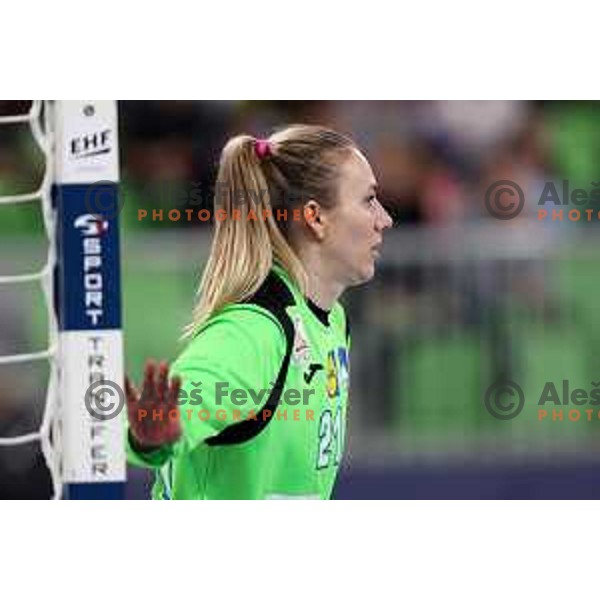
(314, 219)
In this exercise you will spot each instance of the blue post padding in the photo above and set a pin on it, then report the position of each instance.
(87, 286)
(88, 296)
(113, 490)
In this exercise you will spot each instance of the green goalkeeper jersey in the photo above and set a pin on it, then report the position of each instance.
(263, 402)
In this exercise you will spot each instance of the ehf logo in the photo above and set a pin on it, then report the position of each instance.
(91, 144)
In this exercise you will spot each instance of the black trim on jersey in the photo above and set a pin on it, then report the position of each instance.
(274, 296)
(320, 313)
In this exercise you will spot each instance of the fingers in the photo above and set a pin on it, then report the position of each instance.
(157, 388)
(149, 373)
(159, 393)
(131, 391)
(163, 373)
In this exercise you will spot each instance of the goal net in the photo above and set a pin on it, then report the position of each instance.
(81, 428)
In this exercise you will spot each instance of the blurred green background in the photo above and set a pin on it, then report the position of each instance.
(460, 300)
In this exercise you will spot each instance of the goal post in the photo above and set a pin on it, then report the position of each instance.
(88, 298)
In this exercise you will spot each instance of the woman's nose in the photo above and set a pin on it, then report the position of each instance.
(384, 221)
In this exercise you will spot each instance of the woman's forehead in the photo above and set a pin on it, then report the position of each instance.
(356, 171)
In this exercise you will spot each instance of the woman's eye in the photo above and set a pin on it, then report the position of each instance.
(371, 199)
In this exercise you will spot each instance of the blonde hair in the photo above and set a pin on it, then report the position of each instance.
(301, 163)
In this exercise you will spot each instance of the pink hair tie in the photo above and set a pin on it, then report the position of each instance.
(262, 148)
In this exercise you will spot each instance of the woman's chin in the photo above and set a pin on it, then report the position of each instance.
(367, 273)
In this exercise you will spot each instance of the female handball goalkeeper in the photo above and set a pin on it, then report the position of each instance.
(255, 405)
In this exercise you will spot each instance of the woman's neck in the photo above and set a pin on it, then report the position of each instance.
(323, 289)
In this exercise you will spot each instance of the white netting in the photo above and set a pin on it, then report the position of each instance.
(48, 432)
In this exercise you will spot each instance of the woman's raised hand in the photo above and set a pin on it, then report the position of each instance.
(153, 414)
